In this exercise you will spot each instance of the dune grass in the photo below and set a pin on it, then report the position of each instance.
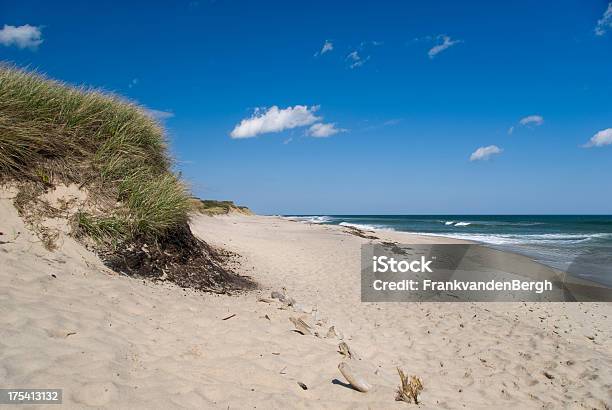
(50, 131)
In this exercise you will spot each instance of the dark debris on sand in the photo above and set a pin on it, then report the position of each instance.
(359, 232)
(181, 258)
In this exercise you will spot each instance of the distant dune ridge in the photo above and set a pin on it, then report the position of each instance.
(116, 155)
(212, 207)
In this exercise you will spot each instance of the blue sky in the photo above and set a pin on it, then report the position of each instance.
(389, 117)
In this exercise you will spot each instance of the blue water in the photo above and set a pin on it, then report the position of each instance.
(578, 244)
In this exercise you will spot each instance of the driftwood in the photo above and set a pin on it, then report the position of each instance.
(301, 326)
(356, 381)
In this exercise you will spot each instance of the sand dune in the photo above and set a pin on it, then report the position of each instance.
(117, 342)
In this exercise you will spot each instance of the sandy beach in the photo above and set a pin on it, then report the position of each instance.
(119, 342)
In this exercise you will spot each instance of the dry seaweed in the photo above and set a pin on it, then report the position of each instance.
(181, 258)
(410, 389)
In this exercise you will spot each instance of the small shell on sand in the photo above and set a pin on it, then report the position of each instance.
(346, 351)
(278, 295)
(281, 296)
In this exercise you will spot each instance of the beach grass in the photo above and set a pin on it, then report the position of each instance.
(51, 131)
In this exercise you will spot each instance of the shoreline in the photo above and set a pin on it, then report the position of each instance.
(397, 236)
(508, 265)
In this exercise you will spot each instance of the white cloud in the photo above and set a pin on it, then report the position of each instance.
(528, 121)
(447, 42)
(532, 120)
(321, 130)
(25, 36)
(601, 138)
(133, 83)
(159, 115)
(275, 120)
(355, 60)
(483, 153)
(605, 22)
(327, 47)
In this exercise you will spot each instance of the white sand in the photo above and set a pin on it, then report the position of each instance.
(117, 342)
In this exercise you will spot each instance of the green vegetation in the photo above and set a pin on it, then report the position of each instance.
(212, 207)
(51, 132)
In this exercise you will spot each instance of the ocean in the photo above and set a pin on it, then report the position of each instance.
(578, 244)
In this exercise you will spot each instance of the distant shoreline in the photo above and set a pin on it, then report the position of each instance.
(508, 263)
(577, 244)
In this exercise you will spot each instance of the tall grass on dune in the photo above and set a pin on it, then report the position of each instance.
(50, 130)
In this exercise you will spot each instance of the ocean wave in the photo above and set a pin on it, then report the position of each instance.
(490, 223)
(525, 239)
(311, 219)
(453, 223)
(366, 226)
